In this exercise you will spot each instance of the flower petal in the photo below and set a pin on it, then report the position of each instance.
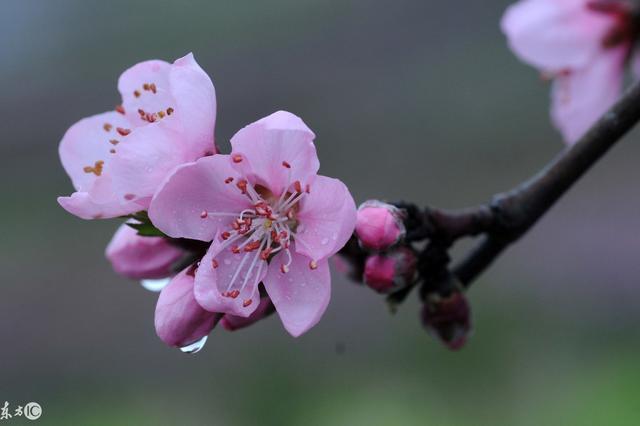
(276, 151)
(555, 35)
(301, 295)
(137, 257)
(327, 218)
(222, 271)
(193, 188)
(85, 149)
(144, 159)
(179, 319)
(580, 98)
(233, 323)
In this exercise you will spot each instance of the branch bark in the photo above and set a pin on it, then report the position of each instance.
(516, 211)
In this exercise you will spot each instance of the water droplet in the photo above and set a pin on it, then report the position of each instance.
(195, 347)
(155, 285)
(334, 237)
(324, 241)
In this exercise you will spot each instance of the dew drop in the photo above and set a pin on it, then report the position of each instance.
(194, 347)
(324, 241)
(155, 285)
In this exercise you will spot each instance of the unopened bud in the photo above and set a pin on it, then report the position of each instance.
(448, 319)
(379, 225)
(385, 273)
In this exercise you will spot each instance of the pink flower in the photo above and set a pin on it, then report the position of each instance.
(270, 217)
(139, 257)
(117, 159)
(379, 225)
(582, 45)
(180, 320)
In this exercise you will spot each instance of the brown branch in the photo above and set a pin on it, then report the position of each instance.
(516, 211)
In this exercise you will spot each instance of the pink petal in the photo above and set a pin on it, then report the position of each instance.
(82, 205)
(144, 159)
(194, 188)
(555, 35)
(219, 269)
(276, 151)
(88, 142)
(233, 323)
(301, 295)
(137, 257)
(327, 218)
(582, 97)
(179, 319)
(195, 99)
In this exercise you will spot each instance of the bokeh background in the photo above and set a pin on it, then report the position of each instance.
(410, 99)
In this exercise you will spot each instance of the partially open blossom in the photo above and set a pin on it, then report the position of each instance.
(583, 46)
(233, 322)
(179, 319)
(379, 225)
(386, 272)
(271, 219)
(117, 159)
(137, 257)
(448, 318)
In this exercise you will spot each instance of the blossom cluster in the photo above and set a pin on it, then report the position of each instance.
(228, 238)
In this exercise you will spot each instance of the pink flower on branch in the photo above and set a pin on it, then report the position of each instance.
(117, 159)
(583, 45)
(271, 219)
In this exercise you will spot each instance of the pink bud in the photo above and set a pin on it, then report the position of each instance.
(379, 225)
(384, 273)
(448, 319)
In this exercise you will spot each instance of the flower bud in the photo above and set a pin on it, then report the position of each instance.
(179, 319)
(234, 322)
(385, 273)
(379, 225)
(137, 257)
(448, 319)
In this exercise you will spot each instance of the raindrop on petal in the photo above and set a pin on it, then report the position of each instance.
(155, 285)
(194, 347)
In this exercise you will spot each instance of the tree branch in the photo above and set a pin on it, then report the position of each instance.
(516, 211)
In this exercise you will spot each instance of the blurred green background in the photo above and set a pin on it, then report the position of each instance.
(410, 99)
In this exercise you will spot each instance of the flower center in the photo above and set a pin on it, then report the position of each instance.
(260, 232)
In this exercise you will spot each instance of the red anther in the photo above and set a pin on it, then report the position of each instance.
(264, 255)
(114, 142)
(253, 245)
(284, 268)
(120, 109)
(204, 214)
(151, 117)
(145, 86)
(153, 88)
(297, 186)
(228, 180)
(284, 235)
(244, 226)
(236, 158)
(107, 127)
(122, 131)
(169, 111)
(274, 236)
(247, 303)
(235, 249)
(263, 209)
(214, 263)
(113, 151)
(313, 265)
(161, 114)
(141, 112)
(234, 293)
(308, 189)
(287, 165)
(136, 93)
(242, 185)
(225, 235)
